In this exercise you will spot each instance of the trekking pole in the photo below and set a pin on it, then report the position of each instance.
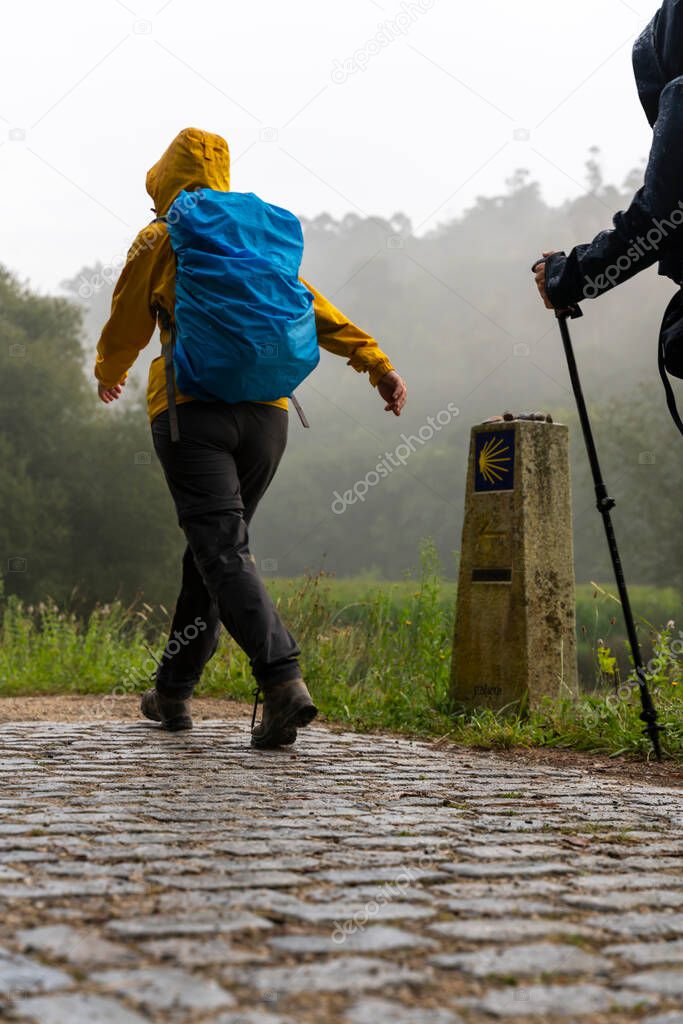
(648, 714)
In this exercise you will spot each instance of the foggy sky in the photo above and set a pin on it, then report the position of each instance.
(328, 105)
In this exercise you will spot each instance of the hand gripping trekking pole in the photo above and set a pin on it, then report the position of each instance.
(605, 505)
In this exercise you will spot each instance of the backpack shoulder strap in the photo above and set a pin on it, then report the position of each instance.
(669, 391)
(169, 349)
(300, 412)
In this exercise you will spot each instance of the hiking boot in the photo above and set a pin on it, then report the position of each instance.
(286, 707)
(174, 715)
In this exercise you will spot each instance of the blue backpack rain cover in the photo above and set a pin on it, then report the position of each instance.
(245, 325)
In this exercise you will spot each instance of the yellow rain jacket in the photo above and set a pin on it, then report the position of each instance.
(195, 159)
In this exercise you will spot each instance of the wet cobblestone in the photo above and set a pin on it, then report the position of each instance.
(146, 877)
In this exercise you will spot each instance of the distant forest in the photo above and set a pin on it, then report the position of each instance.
(85, 509)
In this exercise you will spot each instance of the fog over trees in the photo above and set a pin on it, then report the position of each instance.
(84, 502)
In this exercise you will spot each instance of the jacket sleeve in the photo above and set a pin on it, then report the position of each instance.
(642, 234)
(132, 319)
(341, 337)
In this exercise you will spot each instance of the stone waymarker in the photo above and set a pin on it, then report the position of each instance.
(515, 629)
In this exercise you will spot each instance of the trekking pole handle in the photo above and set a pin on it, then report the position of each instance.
(572, 312)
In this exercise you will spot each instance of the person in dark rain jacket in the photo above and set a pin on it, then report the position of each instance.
(651, 229)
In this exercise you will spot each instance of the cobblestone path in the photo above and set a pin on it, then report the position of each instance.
(359, 880)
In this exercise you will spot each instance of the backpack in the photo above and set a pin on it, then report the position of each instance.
(671, 352)
(244, 325)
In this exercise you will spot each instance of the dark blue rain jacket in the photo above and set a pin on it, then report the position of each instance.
(651, 229)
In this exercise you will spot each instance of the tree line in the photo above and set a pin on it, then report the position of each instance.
(86, 516)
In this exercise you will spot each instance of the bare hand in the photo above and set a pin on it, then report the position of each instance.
(393, 390)
(539, 274)
(108, 395)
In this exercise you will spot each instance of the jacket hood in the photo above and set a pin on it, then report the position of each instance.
(195, 159)
(658, 55)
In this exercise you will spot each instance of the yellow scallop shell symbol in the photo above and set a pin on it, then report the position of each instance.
(493, 460)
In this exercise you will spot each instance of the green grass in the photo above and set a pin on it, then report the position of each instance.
(598, 615)
(377, 656)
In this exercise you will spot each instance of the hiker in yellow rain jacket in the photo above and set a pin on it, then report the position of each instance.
(220, 467)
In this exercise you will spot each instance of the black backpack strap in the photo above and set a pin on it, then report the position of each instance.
(668, 390)
(301, 414)
(169, 350)
(671, 318)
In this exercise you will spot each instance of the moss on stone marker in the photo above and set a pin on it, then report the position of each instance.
(515, 628)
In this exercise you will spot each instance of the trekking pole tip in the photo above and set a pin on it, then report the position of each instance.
(653, 731)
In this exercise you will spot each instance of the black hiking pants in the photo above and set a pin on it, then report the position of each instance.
(217, 473)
